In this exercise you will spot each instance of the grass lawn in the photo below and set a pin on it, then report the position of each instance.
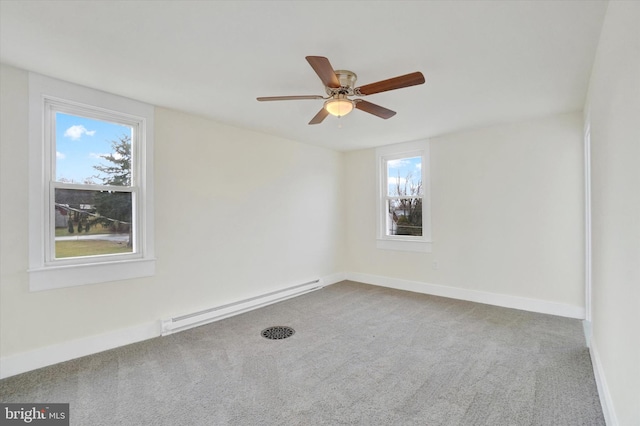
(89, 248)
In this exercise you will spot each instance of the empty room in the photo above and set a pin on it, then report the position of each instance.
(319, 212)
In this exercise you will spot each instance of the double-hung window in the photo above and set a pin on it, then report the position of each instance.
(90, 205)
(404, 220)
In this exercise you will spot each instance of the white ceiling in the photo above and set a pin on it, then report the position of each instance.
(485, 62)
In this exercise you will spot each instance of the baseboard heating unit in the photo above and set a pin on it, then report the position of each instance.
(195, 319)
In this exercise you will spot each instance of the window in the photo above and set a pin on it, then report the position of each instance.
(93, 184)
(90, 205)
(403, 202)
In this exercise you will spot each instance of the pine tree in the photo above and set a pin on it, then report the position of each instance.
(114, 208)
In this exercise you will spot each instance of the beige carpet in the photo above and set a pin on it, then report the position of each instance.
(360, 355)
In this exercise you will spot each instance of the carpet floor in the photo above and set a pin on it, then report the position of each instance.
(360, 355)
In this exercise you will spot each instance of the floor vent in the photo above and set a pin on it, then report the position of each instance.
(277, 332)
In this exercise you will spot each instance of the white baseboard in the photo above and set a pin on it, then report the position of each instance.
(42, 357)
(334, 278)
(66, 351)
(586, 328)
(603, 389)
(504, 300)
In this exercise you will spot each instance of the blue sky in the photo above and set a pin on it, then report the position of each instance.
(80, 142)
(403, 167)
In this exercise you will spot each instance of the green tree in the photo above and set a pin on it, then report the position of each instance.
(118, 173)
(114, 207)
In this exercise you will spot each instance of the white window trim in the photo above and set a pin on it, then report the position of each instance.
(137, 124)
(44, 274)
(398, 242)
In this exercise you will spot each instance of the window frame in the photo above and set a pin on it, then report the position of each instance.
(388, 153)
(53, 106)
(48, 96)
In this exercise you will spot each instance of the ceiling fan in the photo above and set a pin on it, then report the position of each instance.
(339, 85)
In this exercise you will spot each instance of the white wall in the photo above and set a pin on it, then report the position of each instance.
(507, 215)
(238, 214)
(614, 110)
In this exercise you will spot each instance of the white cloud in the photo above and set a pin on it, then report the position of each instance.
(394, 164)
(76, 132)
(60, 156)
(394, 180)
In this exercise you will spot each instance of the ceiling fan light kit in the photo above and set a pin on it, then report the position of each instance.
(339, 85)
(339, 106)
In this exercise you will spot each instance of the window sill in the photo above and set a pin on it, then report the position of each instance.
(404, 245)
(53, 277)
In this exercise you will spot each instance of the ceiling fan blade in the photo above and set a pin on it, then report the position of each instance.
(374, 109)
(407, 80)
(288, 98)
(325, 71)
(319, 117)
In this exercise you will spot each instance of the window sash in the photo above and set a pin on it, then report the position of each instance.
(387, 159)
(50, 237)
(389, 220)
(386, 198)
(51, 107)
(54, 105)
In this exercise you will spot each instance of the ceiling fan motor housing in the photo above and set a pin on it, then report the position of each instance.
(347, 81)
